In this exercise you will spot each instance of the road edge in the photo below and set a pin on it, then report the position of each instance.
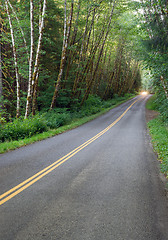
(154, 114)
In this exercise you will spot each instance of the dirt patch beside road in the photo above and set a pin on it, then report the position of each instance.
(151, 114)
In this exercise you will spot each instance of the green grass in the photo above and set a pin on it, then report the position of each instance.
(151, 104)
(159, 133)
(75, 122)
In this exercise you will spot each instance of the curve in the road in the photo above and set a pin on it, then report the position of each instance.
(28, 182)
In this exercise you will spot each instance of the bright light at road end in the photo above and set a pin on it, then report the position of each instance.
(144, 93)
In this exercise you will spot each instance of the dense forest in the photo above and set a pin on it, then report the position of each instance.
(58, 54)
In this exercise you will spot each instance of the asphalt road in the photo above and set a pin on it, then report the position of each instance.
(91, 183)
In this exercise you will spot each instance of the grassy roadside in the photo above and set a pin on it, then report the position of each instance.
(11, 145)
(159, 133)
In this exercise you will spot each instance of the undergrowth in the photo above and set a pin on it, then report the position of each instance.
(159, 133)
(47, 123)
(22, 128)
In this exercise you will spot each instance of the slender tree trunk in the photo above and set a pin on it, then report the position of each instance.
(29, 94)
(100, 55)
(24, 39)
(122, 80)
(108, 86)
(64, 50)
(133, 76)
(40, 20)
(80, 55)
(84, 50)
(98, 74)
(126, 80)
(36, 65)
(72, 53)
(40, 13)
(15, 61)
(93, 51)
(90, 60)
(118, 79)
(108, 76)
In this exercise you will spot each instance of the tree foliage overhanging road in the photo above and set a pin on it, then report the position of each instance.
(155, 23)
(56, 54)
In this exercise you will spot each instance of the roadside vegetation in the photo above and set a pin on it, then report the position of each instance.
(158, 128)
(61, 61)
(20, 131)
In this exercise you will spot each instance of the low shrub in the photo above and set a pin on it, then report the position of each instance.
(93, 100)
(91, 106)
(151, 103)
(55, 120)
(160, 103)
(22, 128)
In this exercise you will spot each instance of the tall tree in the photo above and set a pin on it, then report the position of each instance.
(29, 93)
(67, 30)
(100, 55)
(36, 65)
(33, 76)
(15, 60)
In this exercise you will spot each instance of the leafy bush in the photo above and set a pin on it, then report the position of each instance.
(57, 118)
(2, 120)
(159, 102)
(151, 103)
(93, 100)
(91, 106)
(109, 103)
(162, 105)
(22, 128)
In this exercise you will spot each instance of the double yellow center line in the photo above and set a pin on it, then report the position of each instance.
(28, 182)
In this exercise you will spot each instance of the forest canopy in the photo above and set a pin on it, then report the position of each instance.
(55, 54)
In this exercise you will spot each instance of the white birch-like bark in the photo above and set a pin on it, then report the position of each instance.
(40, 13)
(69, 25)
(40, 18)
(39, 41)
(65, 24)
(36, 65)
(64, 50)
(15, 61)
(29, 93)
(25, 43)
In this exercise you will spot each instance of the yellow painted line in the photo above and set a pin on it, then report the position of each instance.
(28, 182)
